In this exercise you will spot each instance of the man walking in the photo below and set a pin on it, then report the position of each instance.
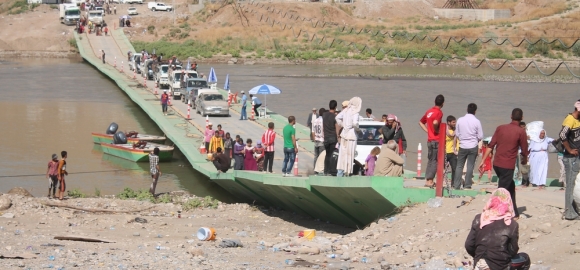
(507, 140)
(154, 169)
(268, 141)
(318, 134)
(257, 104)
(103, 55)
(451, 145)
(430, 124)
(570, 136)
(243, 115)
(330, 129)
(469, 133)
(61, 173)
(164, 99)
(311, 117)
(52, 175)
(290, 149)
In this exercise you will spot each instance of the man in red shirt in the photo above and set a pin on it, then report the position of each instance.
(507, 140)
(268, 142)
(164, 99)
(430, 124)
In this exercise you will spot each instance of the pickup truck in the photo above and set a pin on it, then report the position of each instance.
(155, 6)
(191, 87)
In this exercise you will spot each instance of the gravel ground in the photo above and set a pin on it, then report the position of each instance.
(419, 237)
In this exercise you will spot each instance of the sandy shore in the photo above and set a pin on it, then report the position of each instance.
(419, 237)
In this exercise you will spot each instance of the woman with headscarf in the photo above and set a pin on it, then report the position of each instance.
(393, 131)
(348, 120)
(250, 163)
(538, 159)
(259, 155)
(493, 238)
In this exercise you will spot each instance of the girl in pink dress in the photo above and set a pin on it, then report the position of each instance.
(371, 160)
(250, 163)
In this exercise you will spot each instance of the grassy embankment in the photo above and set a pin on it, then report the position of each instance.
(308, 46)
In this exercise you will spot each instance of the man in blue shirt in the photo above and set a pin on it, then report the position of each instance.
(243, 115)
(257, 104)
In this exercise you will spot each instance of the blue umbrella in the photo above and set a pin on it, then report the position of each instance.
(212, 78)
(265, 89)
(227, 84)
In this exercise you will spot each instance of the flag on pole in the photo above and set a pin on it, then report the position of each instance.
(227, 84)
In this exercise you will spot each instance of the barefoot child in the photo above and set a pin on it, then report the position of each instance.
(371, 161)
(61, 173)
(487, 163)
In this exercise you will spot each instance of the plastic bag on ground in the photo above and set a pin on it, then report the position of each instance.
(435, 202)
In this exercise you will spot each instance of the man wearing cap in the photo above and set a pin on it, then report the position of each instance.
(207, 135)
(164, 99)
(243, 115)
(51, 174)
(257, 104)
(570, 136)
(311, 117)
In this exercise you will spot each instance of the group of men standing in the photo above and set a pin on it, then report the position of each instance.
(507, 141)
(55, 173)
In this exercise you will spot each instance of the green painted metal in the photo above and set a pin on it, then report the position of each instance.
(350, 201)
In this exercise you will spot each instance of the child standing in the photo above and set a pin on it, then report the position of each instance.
(61, 173)
(371, 161)
(487, 163)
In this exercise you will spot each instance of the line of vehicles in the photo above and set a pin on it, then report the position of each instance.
(184, 85)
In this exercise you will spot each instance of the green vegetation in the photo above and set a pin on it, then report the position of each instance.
(576, 49)
(498, 53)
(140, 195)
(76, 193)
(19, 6)
(97, 192)
(151, 29)
(73, 43)
(207, 202)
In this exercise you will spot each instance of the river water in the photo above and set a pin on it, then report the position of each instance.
(49, 105)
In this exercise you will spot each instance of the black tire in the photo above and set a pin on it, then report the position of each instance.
(153, 9)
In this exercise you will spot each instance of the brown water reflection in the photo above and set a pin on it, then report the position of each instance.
(51, 105)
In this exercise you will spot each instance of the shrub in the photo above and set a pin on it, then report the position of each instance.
(165, 198)
(576, 49)
(540, 48)
(207, 202)
(73, 43)
(97, 192)
(499, 54)
(151, 29)
(75, 193)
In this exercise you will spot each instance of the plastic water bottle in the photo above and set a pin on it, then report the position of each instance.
(161, 248)
(332, 256)
(289, 262)
(338, 265)
(51, 258)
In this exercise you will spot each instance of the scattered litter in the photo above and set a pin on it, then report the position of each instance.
(83, 239)
(226, 243)
(140, 220)
(435, 202)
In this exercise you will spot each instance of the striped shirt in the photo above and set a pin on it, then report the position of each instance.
(153, 161)
(268, 140)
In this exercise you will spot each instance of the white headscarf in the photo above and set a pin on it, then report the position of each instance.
(348, 119)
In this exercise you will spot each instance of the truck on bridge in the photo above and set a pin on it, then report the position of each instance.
(69, 14)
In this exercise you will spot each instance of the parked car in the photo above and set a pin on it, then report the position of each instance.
(211, 103)
(133, 2)
(132, 11)
(155, 6)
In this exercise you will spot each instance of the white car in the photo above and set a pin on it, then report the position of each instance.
(133, 2)
(132, 11)
(367, 138)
